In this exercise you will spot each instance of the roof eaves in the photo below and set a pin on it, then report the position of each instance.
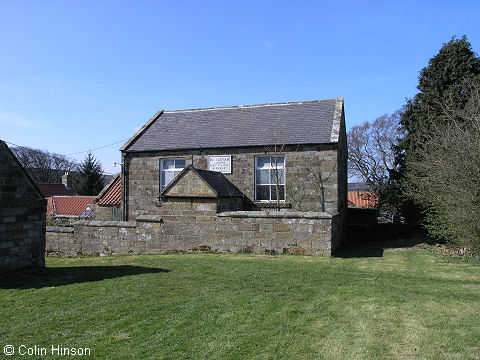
(141, 131)
(337, 120)
(263, 145)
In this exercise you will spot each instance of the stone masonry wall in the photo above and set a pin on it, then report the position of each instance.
(60, 240)
(105, 212)
(311, 176)
(22, 216)
(200, 228)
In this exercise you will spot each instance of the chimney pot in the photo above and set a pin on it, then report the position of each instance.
(67, 179)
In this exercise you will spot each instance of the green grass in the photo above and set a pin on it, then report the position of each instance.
(406, 304)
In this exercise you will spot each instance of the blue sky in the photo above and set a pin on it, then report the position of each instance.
(77, 75)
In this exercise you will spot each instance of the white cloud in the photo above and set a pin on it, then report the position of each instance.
(268, 44)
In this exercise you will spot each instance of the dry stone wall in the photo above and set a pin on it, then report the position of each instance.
(200, 228)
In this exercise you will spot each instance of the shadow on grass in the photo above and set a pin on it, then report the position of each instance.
(36, 278)
(371, 241)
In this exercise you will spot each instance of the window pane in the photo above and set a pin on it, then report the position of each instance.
(263, 177)
(263, 162)
(168, 164)
(162, 180)
(263, 192)
(180, 163)
(168, 176)
(281, 176)
(280, 161)
(281, 192)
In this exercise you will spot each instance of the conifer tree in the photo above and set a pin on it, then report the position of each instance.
(445, 80)
(89, 179)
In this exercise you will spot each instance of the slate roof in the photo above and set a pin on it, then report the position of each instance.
(215, 180)
(68, 205)
(55, 189)
(111, 193)
(310, 122)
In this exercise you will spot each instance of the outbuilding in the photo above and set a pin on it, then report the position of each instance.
(22, 216)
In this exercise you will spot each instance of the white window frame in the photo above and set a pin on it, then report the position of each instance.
(175, 169)
(271, 167)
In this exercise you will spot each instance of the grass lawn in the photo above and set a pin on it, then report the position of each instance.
(404, 304)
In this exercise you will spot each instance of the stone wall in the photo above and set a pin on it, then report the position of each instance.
(312, 179)
(22, 216)
(307, 233)
(60, 240)
(105, 212)
(200, 228)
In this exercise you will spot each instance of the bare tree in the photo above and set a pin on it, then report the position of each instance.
(43, 166)
(297, 194)
(315, 179)
(320, 173)
(371, 154)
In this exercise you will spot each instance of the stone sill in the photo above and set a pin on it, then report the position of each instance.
(272, 205)
(60, 229)
(277, 214)
(124, 224)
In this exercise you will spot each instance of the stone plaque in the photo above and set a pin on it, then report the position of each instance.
(220, 163)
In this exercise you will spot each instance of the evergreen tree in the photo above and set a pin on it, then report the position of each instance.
(444, 80)
(89, 179)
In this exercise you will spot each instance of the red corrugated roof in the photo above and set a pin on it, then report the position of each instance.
(362, 199)
(55, 189)
(70, 205)
(113, 196)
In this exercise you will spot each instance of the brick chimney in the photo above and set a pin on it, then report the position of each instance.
(67, 179)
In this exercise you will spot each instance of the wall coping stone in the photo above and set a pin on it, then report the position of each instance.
(149, 218)
(60, 229)
(123, 224)
(277, 214)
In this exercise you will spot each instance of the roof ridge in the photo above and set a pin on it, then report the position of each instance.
(251, 106)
